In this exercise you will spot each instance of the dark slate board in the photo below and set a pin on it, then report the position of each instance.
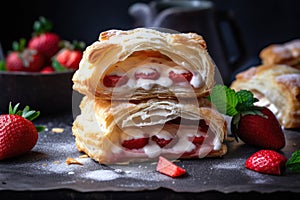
(44, 168)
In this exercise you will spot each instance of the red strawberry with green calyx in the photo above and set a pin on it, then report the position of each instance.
(23, 59)
(267, 162)
(254, 125)
(18, 135)
(69, 57)
(43, 40)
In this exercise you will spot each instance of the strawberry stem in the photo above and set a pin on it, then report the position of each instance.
(19, 45)
(42, 25)
(2, 65)
(26, 113)
(74, 45)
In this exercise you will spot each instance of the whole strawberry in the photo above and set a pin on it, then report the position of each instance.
(18, 134)
(69, 56)
(253, 125)
(43, 40)
(23, 59)
(260, 130)
(267, 162)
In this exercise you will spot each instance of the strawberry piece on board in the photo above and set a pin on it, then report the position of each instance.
(168, 168)
(267, 162)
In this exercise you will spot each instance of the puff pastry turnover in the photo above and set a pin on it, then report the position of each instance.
(276, 86)
(145, 63)
(287, 53)
(116, 132)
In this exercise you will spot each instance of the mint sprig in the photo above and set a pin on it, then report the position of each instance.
(235, 104)
(293, 162)
(229, 102)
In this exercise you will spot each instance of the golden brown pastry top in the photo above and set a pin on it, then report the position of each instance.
(286, 53)
(124, 49)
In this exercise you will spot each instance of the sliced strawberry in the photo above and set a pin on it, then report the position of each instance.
(135, 143)
(115, 80)
(168, 168)
(203, 126)
(197, 140)
(153, 75)
(177, 78)
(267, 162)
(161, 141)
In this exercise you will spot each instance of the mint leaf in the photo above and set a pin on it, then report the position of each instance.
(293, 162)
(225, 100)
(246, 100)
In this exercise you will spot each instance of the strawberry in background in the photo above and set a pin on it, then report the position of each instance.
(43, 40)
(68, 58)
(23, 59)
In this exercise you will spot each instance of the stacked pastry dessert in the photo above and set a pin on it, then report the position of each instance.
(145, 96)
(276, 82)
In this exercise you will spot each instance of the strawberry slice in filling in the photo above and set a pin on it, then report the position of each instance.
(161, 141)
(187, 140)
(135, 143)
(114, 80)
(180, 75)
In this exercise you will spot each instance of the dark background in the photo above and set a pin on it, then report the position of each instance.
(261, 22)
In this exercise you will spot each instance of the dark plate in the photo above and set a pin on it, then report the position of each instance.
(45, 169)
(48, 93)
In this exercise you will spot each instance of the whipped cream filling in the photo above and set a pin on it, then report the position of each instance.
(181, 143)
(149, 66)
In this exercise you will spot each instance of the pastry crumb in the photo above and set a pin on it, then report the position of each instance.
(229, 139)
(57, 130)
(83, 156)
(56, 162)
(70, 161)
(294, 144)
